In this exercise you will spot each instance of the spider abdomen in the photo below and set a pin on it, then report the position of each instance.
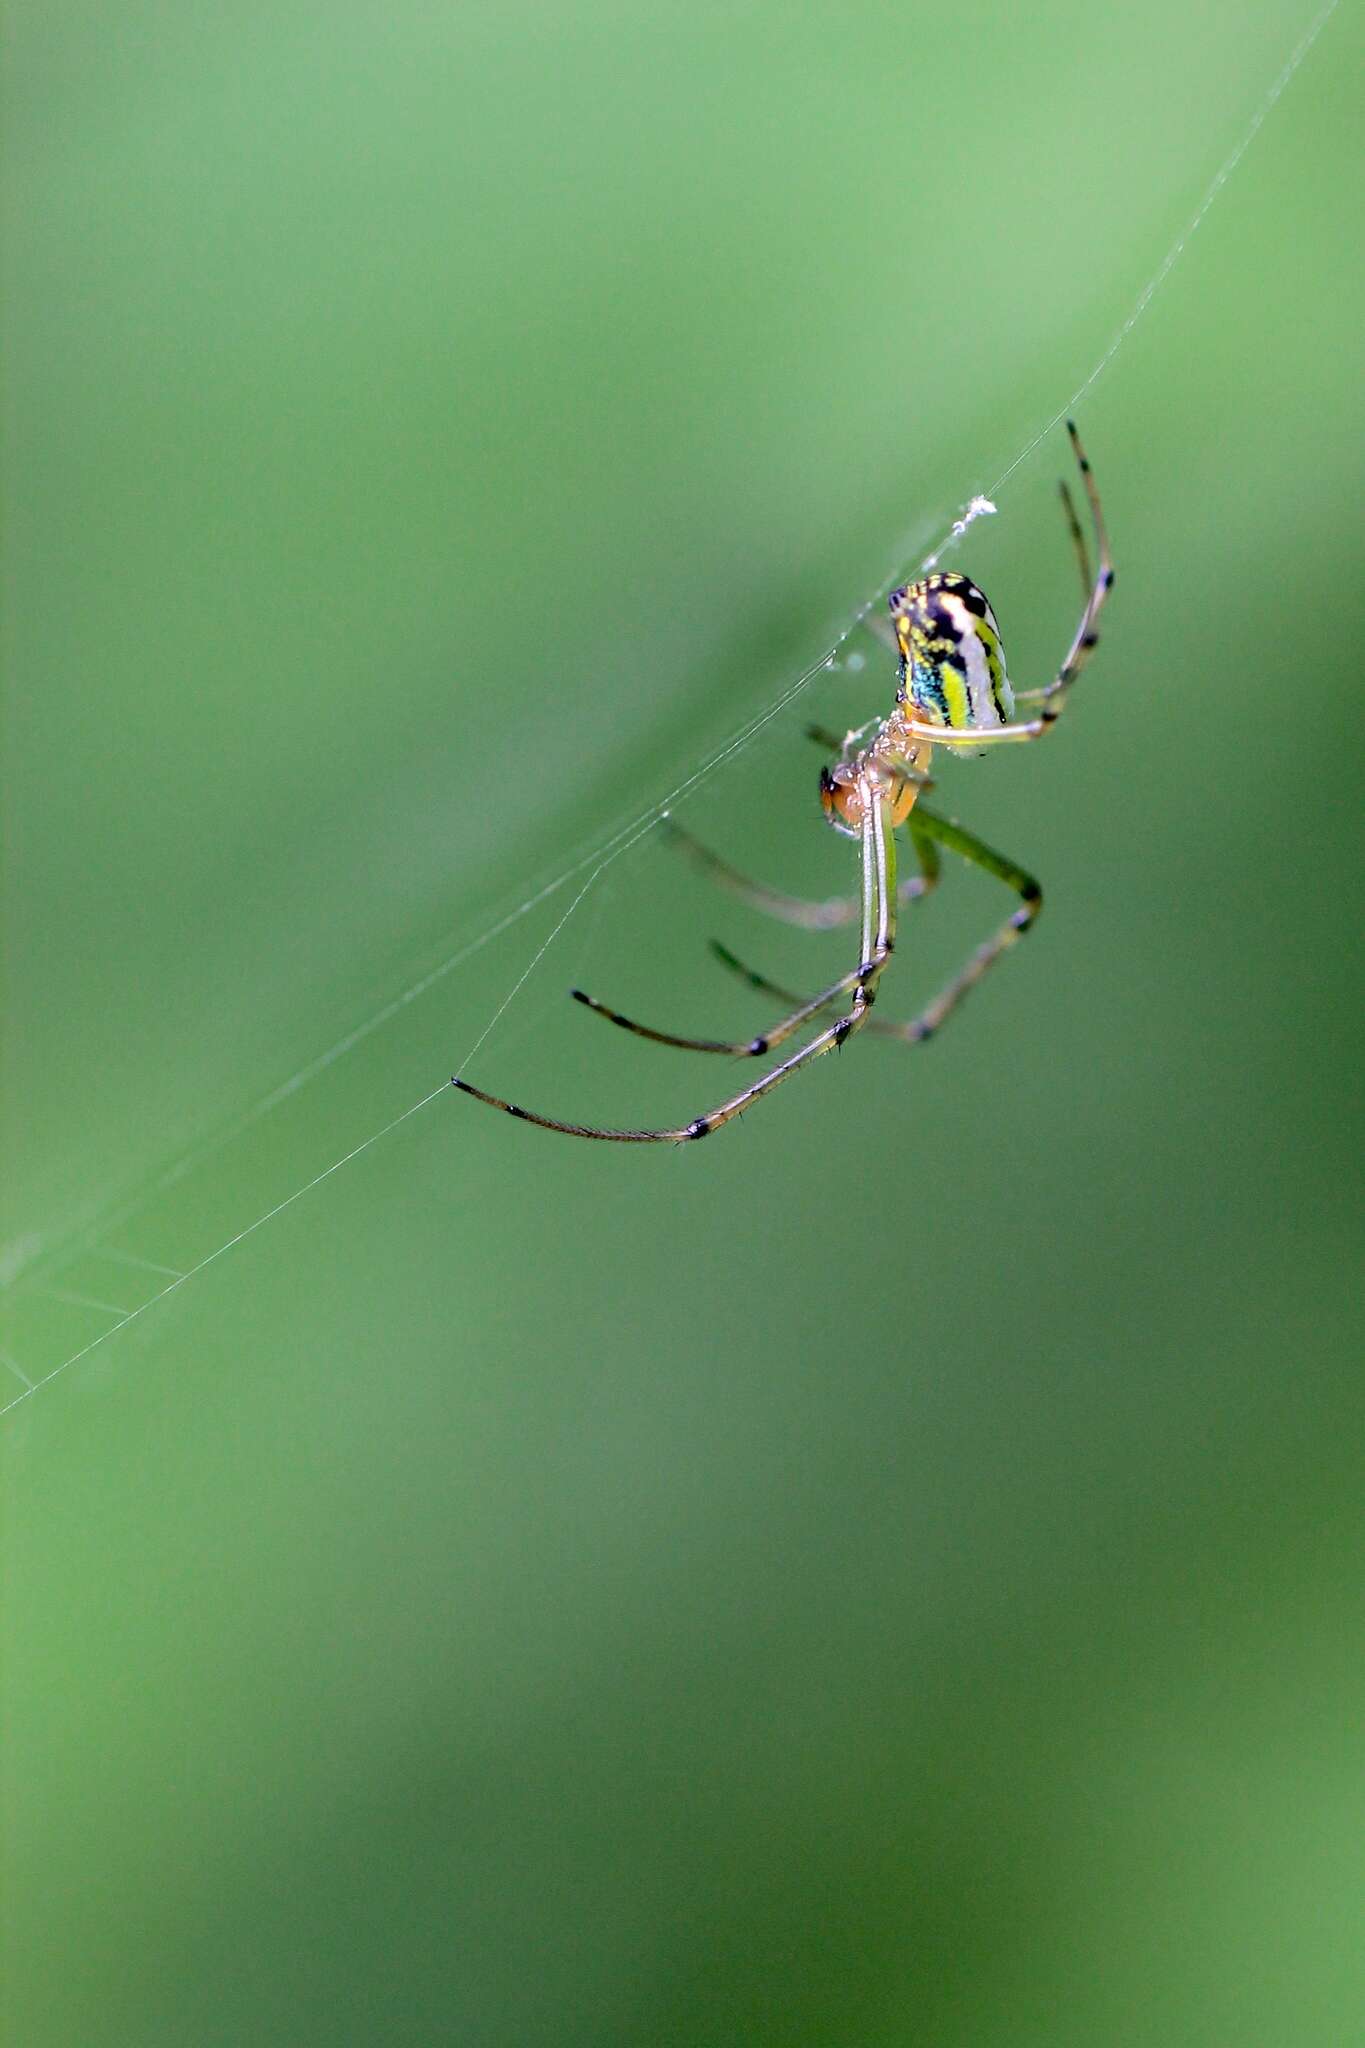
(952, 657)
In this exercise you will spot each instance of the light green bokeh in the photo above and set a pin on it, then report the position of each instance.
(890, 1575)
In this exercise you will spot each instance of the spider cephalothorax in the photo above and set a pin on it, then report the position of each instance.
(952, 660)
(890, 769)
(953, 694)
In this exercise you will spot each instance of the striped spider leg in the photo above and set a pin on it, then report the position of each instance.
(953, 691)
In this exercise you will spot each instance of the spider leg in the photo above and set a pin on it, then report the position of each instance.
(1084, 641)
(1030, 894)
(969, 848)
(1077, 537)
(1078, 540)
(878, 938)
(878, 1026)
(825, 914)
(738, 1048)
(553, 1123)
(1083, 561)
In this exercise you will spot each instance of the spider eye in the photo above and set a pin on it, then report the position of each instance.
(952, 659)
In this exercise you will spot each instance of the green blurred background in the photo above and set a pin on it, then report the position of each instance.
(891, 1574)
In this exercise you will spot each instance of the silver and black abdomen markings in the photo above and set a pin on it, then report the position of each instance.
(952, 660)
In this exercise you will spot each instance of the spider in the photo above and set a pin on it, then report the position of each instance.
(954, 692)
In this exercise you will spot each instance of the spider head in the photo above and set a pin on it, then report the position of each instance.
(843, 805)
(952, 661)
(840, 797)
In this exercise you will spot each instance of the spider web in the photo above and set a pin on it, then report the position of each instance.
(31, 1267)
